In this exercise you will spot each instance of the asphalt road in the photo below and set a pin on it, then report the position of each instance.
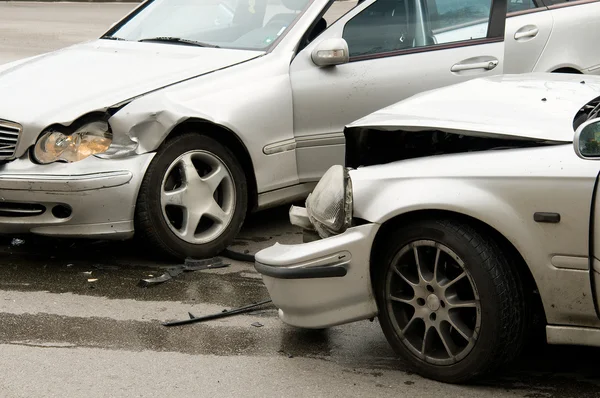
(75, 322)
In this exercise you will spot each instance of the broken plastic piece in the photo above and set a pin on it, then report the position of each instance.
(199, 265)
(17, 242)
(190, 265)
(257, 325)
(92, 280)
(219, 315)
(155, 281)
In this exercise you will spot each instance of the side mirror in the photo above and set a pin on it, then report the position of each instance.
(331, 52)
(587, 140)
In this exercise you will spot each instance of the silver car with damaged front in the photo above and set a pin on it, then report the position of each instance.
(470, 214)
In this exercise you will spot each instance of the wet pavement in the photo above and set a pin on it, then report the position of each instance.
(48, 307)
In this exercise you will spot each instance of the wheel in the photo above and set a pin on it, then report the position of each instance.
(193, 198)
(448, 301)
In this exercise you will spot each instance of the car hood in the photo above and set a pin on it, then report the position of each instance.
(61, 86)
(534, 106)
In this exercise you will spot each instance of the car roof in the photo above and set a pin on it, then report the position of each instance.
(538, 106)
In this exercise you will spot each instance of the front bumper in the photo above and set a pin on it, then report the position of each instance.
(91, 198)
(322, 283)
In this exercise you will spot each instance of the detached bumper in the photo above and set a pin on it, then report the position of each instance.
(322, 283)
(91, 198)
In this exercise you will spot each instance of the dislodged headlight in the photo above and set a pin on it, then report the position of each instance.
(329, 206)
(91, 139)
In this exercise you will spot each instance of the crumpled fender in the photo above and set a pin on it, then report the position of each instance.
(252, 101)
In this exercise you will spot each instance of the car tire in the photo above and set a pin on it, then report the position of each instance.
(186, 168)
(478, 321)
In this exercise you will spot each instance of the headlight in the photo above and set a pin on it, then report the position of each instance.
(91, 139)
(329, 206)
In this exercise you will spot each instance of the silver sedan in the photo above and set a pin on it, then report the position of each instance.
(464, 226)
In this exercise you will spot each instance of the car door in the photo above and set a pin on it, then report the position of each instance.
(528, 27)
(397, 48)
(575, 37)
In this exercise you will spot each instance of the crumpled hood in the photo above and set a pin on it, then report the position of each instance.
(535, 106)
(61, 86)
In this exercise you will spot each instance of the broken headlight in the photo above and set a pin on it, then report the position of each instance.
(329, 206)
(90, 139)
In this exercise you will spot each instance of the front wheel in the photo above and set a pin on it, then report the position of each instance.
(193, 198)
(448, 300)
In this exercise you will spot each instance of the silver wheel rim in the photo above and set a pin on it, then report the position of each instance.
(197, 197)
(433, 302)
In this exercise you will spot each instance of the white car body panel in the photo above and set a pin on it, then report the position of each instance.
(332, 301)
(557, 97)
(523, 53)
(569, 48)
(504, 191)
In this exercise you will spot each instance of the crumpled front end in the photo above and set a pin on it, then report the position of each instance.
(323, 283)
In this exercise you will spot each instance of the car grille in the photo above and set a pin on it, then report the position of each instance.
(9, 136)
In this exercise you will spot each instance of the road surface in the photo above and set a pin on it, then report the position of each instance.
(75, 322)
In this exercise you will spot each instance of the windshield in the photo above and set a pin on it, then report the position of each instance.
(242, 24)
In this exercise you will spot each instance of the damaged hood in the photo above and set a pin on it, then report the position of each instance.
(536, 106)
(61, 86)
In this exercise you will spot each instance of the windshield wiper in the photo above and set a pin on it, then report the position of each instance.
(113, 38)
(167, 39)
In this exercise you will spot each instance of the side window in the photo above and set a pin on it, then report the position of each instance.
(392, 25)
(459, 20)
(521, 5)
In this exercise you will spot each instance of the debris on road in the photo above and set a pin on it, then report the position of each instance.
(219, 315)
(257, 325)
(92, 280)
(17, 242)
(190, 265)
(233, 255)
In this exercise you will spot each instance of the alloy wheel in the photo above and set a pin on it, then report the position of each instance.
(433, 302)
(198, 197)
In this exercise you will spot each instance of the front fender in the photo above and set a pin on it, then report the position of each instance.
(252, 100)
(507, 204)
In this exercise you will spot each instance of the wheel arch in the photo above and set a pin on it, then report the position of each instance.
(568, 69)
(231, 140)
(522, 268)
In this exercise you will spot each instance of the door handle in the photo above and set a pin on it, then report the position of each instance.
(526, 31)
(487, 65)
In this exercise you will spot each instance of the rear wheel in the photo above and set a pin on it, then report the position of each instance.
(448, 300)
(193, 199)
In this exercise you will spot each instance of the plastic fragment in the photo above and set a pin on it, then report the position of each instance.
(257, 325)
(17, 242)
(92, 280)
(190, 265)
